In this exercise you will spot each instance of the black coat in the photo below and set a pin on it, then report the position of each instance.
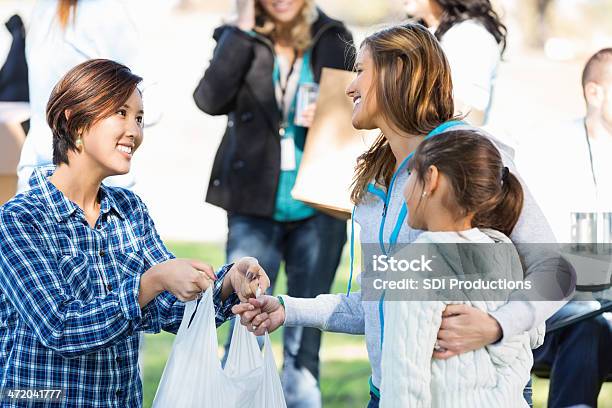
(238, 83)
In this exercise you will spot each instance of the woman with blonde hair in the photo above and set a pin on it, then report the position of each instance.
(403, 87)
(263, 57)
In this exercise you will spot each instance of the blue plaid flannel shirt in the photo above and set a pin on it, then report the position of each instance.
(69, 313)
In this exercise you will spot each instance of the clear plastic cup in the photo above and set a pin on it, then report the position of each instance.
(306, 95)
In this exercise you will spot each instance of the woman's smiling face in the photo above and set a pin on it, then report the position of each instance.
(112, 141)
(363, 92)
(282, 11)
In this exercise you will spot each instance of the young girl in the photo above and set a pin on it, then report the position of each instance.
(458, 191)
(403, 87)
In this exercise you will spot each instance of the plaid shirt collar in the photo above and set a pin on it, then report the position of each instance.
(61, 207)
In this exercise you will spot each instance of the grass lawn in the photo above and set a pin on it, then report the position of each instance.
(345, 368)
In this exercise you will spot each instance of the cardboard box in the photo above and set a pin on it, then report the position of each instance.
(332, 148)
(11, 142)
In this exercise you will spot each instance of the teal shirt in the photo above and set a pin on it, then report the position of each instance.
(288, 209)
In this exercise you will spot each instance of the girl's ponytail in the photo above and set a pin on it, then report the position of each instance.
(506, 209)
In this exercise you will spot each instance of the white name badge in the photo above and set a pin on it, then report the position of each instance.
(287, 154)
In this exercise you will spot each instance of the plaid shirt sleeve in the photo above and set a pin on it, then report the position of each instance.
(165, 312)
(29, 278)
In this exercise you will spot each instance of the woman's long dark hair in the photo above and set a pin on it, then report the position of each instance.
(456, 11)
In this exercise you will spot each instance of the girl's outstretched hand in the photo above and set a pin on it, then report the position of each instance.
(260, 315)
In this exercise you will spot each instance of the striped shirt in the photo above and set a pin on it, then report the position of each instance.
(69, 312)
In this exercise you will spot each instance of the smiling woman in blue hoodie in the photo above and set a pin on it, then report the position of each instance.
(403, 87)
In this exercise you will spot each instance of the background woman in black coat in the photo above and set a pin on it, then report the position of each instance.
(260, 61)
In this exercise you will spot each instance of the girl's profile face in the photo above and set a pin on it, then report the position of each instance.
(417, 8)
(282, 11)
(362, 92)
(111, 142)
(415, 202)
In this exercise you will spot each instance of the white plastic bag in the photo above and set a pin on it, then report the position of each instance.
(193, 376)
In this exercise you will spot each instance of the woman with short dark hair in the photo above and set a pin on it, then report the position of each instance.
(83, 270)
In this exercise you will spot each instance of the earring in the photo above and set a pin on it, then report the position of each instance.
(79, 143)
(424, 194)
